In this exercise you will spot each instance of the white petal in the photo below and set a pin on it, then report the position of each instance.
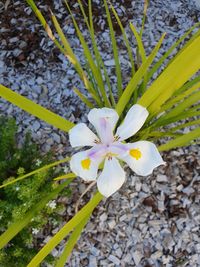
(134, 120)
(104, 121)
(111, 178)
(145, 157)
(89, 172)
(81, 135)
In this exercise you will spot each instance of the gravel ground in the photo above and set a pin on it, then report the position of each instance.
(151, 221)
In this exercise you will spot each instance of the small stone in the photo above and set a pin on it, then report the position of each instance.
(157, 255)
(1, 64)
(114, 259)
(109, 63)
(70, 72)
(14, 40)
(36, 126)
(137, 256)
(162, 178)
(111, 224)
(95, 251)
(92, 261)
(70, 30)
(17, 52)
(138, 186)
(56, 138)
(39, 80)
(103, 217)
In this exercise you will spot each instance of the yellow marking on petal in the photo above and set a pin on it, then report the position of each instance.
(135, 153)
(86, 164)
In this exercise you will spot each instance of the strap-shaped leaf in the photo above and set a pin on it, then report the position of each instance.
(64, 231)
(125, 39)
(135, 80)
(17, 226)
(46, 167)
(171, 49)
(172, 78)
(115, 50)
(95, 70)
(35, 109)
(183, 140)
(72, 242)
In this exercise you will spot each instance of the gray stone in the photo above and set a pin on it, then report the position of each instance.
(39, 80)
(114, 259)
(36, 126)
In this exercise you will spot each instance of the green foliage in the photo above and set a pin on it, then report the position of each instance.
(17, 199)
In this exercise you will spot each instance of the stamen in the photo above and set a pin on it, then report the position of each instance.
(97, 141)
(110, 155)
(116, 138)
(135, 153)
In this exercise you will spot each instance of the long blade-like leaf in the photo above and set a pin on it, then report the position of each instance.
(46, 167)
(83, 98)
(129, 90)
(172, 78)
(72, 242)
(181, 141)
(64, 231)
(125, 39)
(171, 49)
(35, 109)
(95, 71)
(115, 50)
(71, 56)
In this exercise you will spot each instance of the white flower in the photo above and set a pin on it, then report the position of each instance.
(35, 231)
(142, 156)
(52, 204)
(38, 162)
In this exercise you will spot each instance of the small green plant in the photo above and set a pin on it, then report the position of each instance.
(20, 197)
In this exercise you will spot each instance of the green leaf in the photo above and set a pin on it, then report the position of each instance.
(129, 90)
(125, 39)
(183, 140)
(172, 78)
(181, 107)
(187, 114)
(64, 176)
(171, 49)
(72, 242)
(184, 125)
(98, 57)
(139, 42)
(35, 109)
(72, 58)
(94, 69)
(115, 50)
(48, 30)
(17, 226)
(142, 53)
(174, 100)
(46, 167)
(64, 231)
(83, 98)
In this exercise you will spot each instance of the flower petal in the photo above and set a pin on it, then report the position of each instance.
(104, 121)
(133, 121)
(81, 135)
(111, 178)
(143, 157)
(84, 166)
